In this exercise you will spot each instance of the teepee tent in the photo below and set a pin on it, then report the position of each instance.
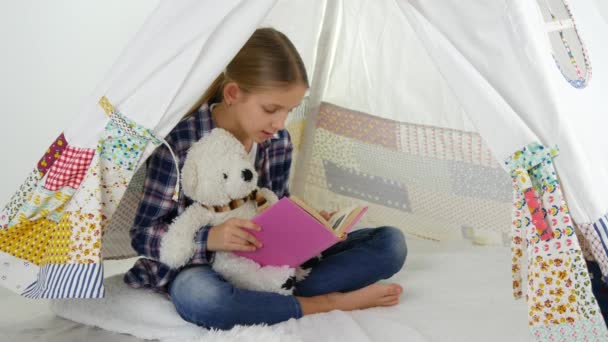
(451, 120)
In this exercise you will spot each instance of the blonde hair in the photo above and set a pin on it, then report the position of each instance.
(267, 60)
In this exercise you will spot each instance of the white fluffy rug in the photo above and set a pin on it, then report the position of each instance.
(148, 315)
(454, 292)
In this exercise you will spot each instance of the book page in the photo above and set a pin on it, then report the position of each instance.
(314, 213)
(345, 218)
(338, 222)
(339, 217)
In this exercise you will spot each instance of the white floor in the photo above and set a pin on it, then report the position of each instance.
(454, 292)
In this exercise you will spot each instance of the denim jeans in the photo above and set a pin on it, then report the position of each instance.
(203, 297)
(599, 287)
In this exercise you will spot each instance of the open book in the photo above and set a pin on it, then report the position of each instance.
(293, 232)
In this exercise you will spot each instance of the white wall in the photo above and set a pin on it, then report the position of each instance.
(602, 5)
(53, 54)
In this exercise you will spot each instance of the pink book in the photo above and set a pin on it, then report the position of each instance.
(292, 232)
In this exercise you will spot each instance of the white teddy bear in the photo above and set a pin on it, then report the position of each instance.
(221, 180)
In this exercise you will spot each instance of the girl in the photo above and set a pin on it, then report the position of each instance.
(251, 99)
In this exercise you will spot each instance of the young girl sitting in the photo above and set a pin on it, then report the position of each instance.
(251, 99)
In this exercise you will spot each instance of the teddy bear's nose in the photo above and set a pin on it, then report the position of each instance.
(247, 175)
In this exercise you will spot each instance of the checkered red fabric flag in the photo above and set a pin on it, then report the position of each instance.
(70, 169)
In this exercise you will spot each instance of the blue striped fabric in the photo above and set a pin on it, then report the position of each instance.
(67, 281)
(601, 228)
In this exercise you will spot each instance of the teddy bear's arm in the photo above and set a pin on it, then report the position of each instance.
(177, 245)
(247, 274)
(270, 196)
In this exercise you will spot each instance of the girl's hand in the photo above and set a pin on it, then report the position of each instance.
(327, 215)
(232, 235)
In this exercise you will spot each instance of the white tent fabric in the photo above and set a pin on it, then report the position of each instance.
(181, 47)
(463, 66)
(512, 55)
(532, 94)
(526, 79)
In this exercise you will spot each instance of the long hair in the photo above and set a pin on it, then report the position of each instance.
(267, 60)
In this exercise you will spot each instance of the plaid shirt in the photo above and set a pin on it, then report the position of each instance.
(157, 209)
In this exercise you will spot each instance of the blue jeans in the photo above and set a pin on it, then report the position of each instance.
(599, 287)
(203, 297)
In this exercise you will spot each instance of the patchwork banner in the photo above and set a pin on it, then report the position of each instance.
(52, 229)
(561, 304)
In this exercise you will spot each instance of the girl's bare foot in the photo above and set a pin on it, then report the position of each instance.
(367, 297)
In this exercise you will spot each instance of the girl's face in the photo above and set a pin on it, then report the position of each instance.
(261, 114)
